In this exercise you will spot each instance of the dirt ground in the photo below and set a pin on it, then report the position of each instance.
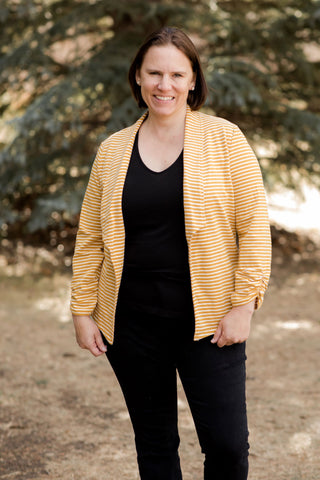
(62, 415)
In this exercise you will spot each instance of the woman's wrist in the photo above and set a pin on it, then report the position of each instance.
(247, 307)
(79, 317)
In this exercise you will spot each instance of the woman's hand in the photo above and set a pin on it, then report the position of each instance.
(235, 326)
(88, 335)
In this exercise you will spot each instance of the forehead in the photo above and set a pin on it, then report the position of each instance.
(165, 56)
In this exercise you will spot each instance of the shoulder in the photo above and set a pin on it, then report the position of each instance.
(216, 132)
(117, 143)
(210, 126)
(211, 122)
(123, 136)
(220, 128)
(118, 138)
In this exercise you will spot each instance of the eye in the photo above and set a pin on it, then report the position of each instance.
(154, 73)
(177, 75)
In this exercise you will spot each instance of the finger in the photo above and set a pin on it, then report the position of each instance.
(222, 341)
(99, 342)
(217, 334)
(95, 350)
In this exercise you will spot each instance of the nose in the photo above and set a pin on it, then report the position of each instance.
(164, 83)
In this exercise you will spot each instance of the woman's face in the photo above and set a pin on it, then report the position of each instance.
(165, 78)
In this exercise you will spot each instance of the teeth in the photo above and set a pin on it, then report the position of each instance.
(164, 98)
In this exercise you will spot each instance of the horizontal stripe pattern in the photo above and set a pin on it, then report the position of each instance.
(226, 222)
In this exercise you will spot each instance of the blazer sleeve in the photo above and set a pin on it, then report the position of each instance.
(89, 254)
(252, 224)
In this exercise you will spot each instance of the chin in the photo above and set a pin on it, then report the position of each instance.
(165, 110)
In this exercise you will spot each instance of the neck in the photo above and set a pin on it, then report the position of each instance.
(164, 127)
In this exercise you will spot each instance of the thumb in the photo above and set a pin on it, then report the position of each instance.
(98, 338)
(217, 334)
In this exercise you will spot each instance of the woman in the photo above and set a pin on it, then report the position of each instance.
(172, 257)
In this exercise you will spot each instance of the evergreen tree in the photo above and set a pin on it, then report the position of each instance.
(63, 88)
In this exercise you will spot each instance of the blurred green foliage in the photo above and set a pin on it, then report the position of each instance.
(63, 88)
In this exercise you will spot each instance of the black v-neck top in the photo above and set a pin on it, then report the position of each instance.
(156, 277)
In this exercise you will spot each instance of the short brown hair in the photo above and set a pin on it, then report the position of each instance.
(176, 37)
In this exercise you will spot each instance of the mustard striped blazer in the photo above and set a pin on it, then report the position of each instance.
(226, 224)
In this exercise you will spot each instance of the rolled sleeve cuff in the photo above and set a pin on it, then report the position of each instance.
(249, 286)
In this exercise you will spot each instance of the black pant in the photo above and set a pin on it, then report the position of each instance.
(147, 352)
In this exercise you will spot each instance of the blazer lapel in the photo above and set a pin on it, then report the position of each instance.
(114, 227)
(193, 187)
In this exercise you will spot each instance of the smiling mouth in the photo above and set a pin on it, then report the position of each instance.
(159, 97)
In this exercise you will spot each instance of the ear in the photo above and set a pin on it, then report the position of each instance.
(193, 81)
(138, 78)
